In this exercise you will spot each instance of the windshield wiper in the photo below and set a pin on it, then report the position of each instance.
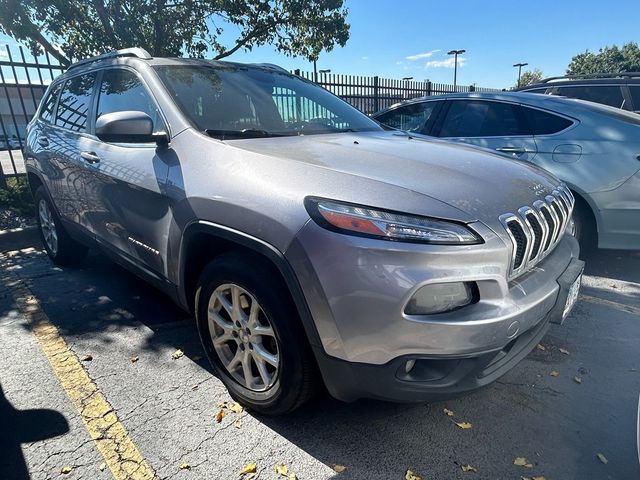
(245, 133)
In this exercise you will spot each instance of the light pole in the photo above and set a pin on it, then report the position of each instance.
(520, 65)
(455, 66)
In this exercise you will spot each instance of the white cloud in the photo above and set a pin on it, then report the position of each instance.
(419, 56)
(447, 63)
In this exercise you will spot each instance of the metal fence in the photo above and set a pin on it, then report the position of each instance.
(24, 78)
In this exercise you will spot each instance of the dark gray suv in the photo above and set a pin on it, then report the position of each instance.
(309, 243)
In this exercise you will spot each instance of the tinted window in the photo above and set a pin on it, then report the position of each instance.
(46, 113)
(122, 90)
(635, 97)
(544, 123)
(482, 119)
(75, 101)
(411, 118)
(608, 95)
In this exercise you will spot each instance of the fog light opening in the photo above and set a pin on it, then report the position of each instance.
(409, 366)
(442, 297)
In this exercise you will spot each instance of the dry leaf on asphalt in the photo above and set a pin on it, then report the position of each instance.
(66, 469)
(235, 407)
(447, 412)
(338, 468)
(249, 468)
(541, 347)
(522, 462)
(281, 469)
(577, 379)
(292, 476)
(177, 354)
(185, 466)
(195, 387)
(411, 475)
(133, 359)
(87, 358)
(237, 423)
(102, 466)
(468, 468)
(554, 373)
(464, 425)
(220, 415)
(602, 458)
(564, 350)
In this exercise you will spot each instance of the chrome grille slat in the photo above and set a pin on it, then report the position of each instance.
(535, 230)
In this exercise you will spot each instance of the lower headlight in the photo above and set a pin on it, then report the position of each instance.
(441, 297)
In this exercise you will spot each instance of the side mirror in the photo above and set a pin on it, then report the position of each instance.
(127, 127)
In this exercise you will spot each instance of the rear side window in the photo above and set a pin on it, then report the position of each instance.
(411, 118)
(635, 97)
(606, 94)
(544, 123)
(49, 104)
(476, 118)
(75, 102)
(122, 90)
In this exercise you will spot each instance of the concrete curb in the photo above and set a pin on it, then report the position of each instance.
(17, 238)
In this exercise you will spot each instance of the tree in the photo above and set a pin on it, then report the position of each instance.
(529, 77)
(73, 29)
(607, 60)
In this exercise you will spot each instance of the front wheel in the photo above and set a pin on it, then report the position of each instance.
(252, 334)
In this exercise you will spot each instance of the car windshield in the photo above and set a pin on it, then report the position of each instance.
(233, 101)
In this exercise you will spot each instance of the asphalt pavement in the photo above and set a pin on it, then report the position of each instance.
(571, 399)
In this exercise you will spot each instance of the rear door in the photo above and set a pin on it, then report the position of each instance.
(490, 124)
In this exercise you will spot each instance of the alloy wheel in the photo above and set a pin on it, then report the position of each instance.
(48, 226)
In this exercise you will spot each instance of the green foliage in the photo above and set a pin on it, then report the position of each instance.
(607, 60)
(529, 77)
(17, 196)
(83, 28)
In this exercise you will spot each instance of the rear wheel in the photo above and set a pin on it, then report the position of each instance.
(60, 247)
(252, 334)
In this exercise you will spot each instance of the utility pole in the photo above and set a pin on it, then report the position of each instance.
(455, 66)
(315, 72)
(520, 65)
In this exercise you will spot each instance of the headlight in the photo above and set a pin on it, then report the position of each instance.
(369, 222)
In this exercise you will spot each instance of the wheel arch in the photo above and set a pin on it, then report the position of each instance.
(584, 199)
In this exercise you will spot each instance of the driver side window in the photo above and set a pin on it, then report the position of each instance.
(411, 118)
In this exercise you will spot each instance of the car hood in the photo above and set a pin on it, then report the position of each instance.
(479, 183)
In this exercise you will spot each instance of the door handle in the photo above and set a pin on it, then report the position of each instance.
(514, 150)
(90, 157)
(43, 141)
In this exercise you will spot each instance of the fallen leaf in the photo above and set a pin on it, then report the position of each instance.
(66, 469)
(541, 347)
(249, 468)
(237, 423)
(102, 466)
(411, 475)
(564, 350)
(577, 379)
(538, 478)
(464, 425)
(522, 462)
(554, 373)
(177, 354)
(220, 415)
(133, 359)
(292, 476)
(447, 412)
(281, 469)
(602, 458)
(338, 468)
(87, 358)
(235, 407)
(468, 468)
(195, 387)
(185, 466)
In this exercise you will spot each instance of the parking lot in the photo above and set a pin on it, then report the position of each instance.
(572, 398)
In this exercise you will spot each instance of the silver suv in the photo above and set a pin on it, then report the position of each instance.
(310, 243)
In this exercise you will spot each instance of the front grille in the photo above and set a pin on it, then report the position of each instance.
(535, 230)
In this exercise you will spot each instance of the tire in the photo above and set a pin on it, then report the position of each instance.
(60, 247)
(584, 227)
(276, 330)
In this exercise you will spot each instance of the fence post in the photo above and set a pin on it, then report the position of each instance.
(376, 94)
(428, 88)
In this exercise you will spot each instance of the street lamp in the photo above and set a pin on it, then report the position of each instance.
(520, 65)
(324, 71)
(407, 78)
(455, 66)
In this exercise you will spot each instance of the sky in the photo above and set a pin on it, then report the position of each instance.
(411, 38)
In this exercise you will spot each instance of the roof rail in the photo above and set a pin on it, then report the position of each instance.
(592, 75)
(127, 52)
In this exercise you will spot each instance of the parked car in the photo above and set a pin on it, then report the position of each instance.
(309, 242)
(595, 149)
(616, 90)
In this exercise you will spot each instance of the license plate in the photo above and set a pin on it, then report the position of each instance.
(572, 297)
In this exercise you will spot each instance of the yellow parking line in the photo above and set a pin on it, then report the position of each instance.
(111, 438)
(611, 304)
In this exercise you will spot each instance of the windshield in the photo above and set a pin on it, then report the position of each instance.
(243, 102)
